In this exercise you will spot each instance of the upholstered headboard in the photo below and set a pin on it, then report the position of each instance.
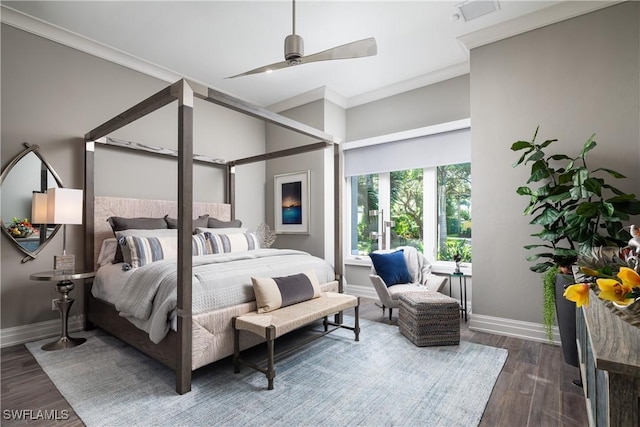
(105, 207)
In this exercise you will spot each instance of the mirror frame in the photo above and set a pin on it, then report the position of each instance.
(29, 149)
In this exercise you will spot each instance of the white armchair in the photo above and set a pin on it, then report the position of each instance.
(422, 280)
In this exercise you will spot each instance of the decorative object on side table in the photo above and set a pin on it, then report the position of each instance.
(457, 258)
(613, 274)
(20, 228)
(64, 286)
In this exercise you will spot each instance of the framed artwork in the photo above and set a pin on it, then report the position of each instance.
(291, 203)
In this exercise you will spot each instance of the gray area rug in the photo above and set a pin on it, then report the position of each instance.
(380, 381)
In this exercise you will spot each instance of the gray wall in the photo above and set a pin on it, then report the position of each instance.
(51, 96)
(430, 105)
(278, 138)
(573, 78)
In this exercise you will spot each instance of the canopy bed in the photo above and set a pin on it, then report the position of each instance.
(198, 336)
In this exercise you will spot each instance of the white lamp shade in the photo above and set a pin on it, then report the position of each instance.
(39, 208)
(64, 206)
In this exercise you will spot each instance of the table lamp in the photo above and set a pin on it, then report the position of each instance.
(39, 213)
(64, 206)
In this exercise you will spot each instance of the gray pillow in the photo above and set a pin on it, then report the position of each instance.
(216, 223)
(201, 221)
(119, 223)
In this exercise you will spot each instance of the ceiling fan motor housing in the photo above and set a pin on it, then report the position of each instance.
(293, 49)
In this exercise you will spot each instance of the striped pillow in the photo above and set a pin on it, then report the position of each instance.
(200, 245)
(236, 242)
(144, 250)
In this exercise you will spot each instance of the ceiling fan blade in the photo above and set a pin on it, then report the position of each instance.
(357, 49)
(271, 67)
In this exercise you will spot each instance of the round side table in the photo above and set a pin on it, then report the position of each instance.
(64, 286)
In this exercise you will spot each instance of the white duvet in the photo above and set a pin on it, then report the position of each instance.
(147, 295)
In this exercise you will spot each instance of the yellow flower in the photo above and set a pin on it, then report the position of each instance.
(629, 277)
(612, 290)
(578, 293)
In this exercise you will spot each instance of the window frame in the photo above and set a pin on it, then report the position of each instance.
(430, 202)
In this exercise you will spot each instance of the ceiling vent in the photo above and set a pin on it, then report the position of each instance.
(472, 9)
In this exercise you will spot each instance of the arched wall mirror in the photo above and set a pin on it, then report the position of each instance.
(24, 175)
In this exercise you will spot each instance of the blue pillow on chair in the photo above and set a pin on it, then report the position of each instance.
(391, 267)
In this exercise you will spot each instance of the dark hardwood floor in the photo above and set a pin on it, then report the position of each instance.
(534, 388)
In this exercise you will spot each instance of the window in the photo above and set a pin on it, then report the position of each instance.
(454, 212)
(411, 188)
(398, 217)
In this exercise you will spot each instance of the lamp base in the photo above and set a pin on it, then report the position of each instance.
(64, 262)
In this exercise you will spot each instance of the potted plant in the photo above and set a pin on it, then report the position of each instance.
(576, 210)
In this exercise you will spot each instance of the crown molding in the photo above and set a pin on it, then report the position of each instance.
(531, 21)
(65, 37)
(316, 94)
(443, 74)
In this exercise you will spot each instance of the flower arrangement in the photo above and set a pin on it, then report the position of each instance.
(20, 228)
(611, 272)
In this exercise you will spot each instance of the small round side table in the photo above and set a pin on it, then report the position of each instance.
(64, 286)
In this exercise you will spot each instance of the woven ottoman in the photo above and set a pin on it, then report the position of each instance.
(429, 318)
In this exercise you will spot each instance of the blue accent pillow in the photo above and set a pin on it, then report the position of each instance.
(391, 267)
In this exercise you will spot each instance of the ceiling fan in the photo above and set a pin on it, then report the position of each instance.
(294, 52)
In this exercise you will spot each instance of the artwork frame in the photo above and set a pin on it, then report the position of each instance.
(291, 202)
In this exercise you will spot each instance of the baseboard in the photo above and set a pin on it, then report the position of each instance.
(361, 291)
(37, 331)
(512, 328)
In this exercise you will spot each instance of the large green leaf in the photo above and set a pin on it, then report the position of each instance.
(589, 145)
(524, 191)
(537, 246)
(560, 157)
(521, 145)
(547, 143)
(588, 209)
(611, 172)
(537, 256)
(593, 185)
(542, 267)
(548, 216)
(538, 155)
(539, 171)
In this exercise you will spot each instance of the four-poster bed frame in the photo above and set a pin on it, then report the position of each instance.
(175, 350)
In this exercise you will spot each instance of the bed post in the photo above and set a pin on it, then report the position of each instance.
(338, 168)
(230, 189)
(184, 94)
(88, 221)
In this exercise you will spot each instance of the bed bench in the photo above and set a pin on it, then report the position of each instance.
(276, 323)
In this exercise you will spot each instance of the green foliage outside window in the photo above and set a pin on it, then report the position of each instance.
(407, 210)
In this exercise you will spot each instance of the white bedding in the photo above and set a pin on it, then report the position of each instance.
(147, 295)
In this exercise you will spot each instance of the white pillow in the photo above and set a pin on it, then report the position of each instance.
(107, 251)
(234, 230)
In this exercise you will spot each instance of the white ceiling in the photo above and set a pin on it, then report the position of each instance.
(419, 42)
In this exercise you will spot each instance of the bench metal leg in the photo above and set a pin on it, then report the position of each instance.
(271, 370)
(356, 326)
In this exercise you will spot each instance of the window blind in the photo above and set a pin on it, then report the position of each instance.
(439, 149)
